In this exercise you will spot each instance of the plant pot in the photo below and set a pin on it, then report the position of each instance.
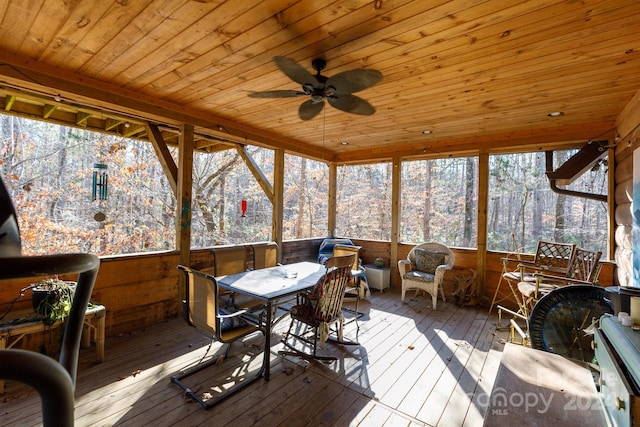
(52, 300)
(43, 299)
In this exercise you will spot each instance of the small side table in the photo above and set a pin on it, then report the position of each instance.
(377, 277)
(94, 327)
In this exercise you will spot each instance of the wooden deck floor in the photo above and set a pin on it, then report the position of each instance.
(414, 367)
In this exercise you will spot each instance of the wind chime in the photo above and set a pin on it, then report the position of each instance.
(99, 187)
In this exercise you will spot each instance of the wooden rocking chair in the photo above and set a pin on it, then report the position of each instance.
(319, 309)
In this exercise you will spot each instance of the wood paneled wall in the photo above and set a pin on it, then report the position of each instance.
(142, 290)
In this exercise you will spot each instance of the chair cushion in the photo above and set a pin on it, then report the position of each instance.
(419, 276)
(428, 261)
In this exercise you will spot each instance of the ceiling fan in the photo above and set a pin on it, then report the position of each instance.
(337, 90)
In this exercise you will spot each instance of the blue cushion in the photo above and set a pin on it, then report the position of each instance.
(228, 323)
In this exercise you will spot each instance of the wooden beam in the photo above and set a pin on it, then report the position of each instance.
(563, 137)
(256, 172)
(48, 110)
(579, 163)
(395, 219)
(611, 205)
(37, 76)
(8, 102)
(164, 156)
(110, 124)
(184, 199)
(82, 117)
(332, 207)
(483, 205)
(131, 129)
(629, 119)
(278, 199)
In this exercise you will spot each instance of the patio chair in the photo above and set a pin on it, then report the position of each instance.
(550, 257)
(231, 260)
(319, 309)
(53, 380)
(424, 269)
(357, 288)
(265, 255)
(207, 312)
(583, 270)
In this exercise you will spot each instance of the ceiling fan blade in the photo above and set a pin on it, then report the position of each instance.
(352, 104)
(353, 80)
(309, 109)
(295, 72)
(276, 94)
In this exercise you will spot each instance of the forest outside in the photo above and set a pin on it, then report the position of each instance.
(48, 170)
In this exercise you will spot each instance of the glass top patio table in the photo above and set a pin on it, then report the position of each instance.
(272, 285)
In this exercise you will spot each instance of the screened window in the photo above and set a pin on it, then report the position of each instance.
(48, 170)
(229, 205)
(306, 186)
(523, 209)
(439, 201)
(363, 201)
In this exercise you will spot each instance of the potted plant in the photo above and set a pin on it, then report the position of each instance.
(52, 298)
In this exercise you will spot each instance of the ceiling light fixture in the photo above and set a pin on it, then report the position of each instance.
(555, 114)
(427, 132)
(344, 143)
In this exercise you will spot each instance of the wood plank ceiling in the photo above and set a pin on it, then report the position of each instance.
(477, 74)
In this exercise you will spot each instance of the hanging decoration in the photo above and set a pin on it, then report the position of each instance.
(99, 187)
(244, 208)
(99, 184)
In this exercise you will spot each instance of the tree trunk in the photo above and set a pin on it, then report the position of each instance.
(469, 206)
(426, 230)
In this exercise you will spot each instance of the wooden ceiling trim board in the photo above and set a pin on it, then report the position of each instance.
(85, 46)
(199, 69)
(47, 110)
(474, 67)
(45, 24)
(529, 141)
(118, 100)
(342, 34)
(248, 51)
(155, 25)
(522, 80)
(388, 77)
(23, 13)
(274, 78)
(470, 64)
(193, 42)
(543, 100)
(80, 21)
(629, 118)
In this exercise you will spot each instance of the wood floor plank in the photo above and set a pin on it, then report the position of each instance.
(415, 366)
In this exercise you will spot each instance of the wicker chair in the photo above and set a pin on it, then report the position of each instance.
(424, 269)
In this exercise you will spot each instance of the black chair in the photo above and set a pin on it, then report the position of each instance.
(204, 309)
(53, 380)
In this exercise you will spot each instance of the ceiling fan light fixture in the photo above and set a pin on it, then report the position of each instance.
(317, 98)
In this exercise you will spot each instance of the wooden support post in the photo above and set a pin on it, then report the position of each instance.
(333, 188)
(277, 217)
(483, 201)
(395, 215)
(184, 197)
